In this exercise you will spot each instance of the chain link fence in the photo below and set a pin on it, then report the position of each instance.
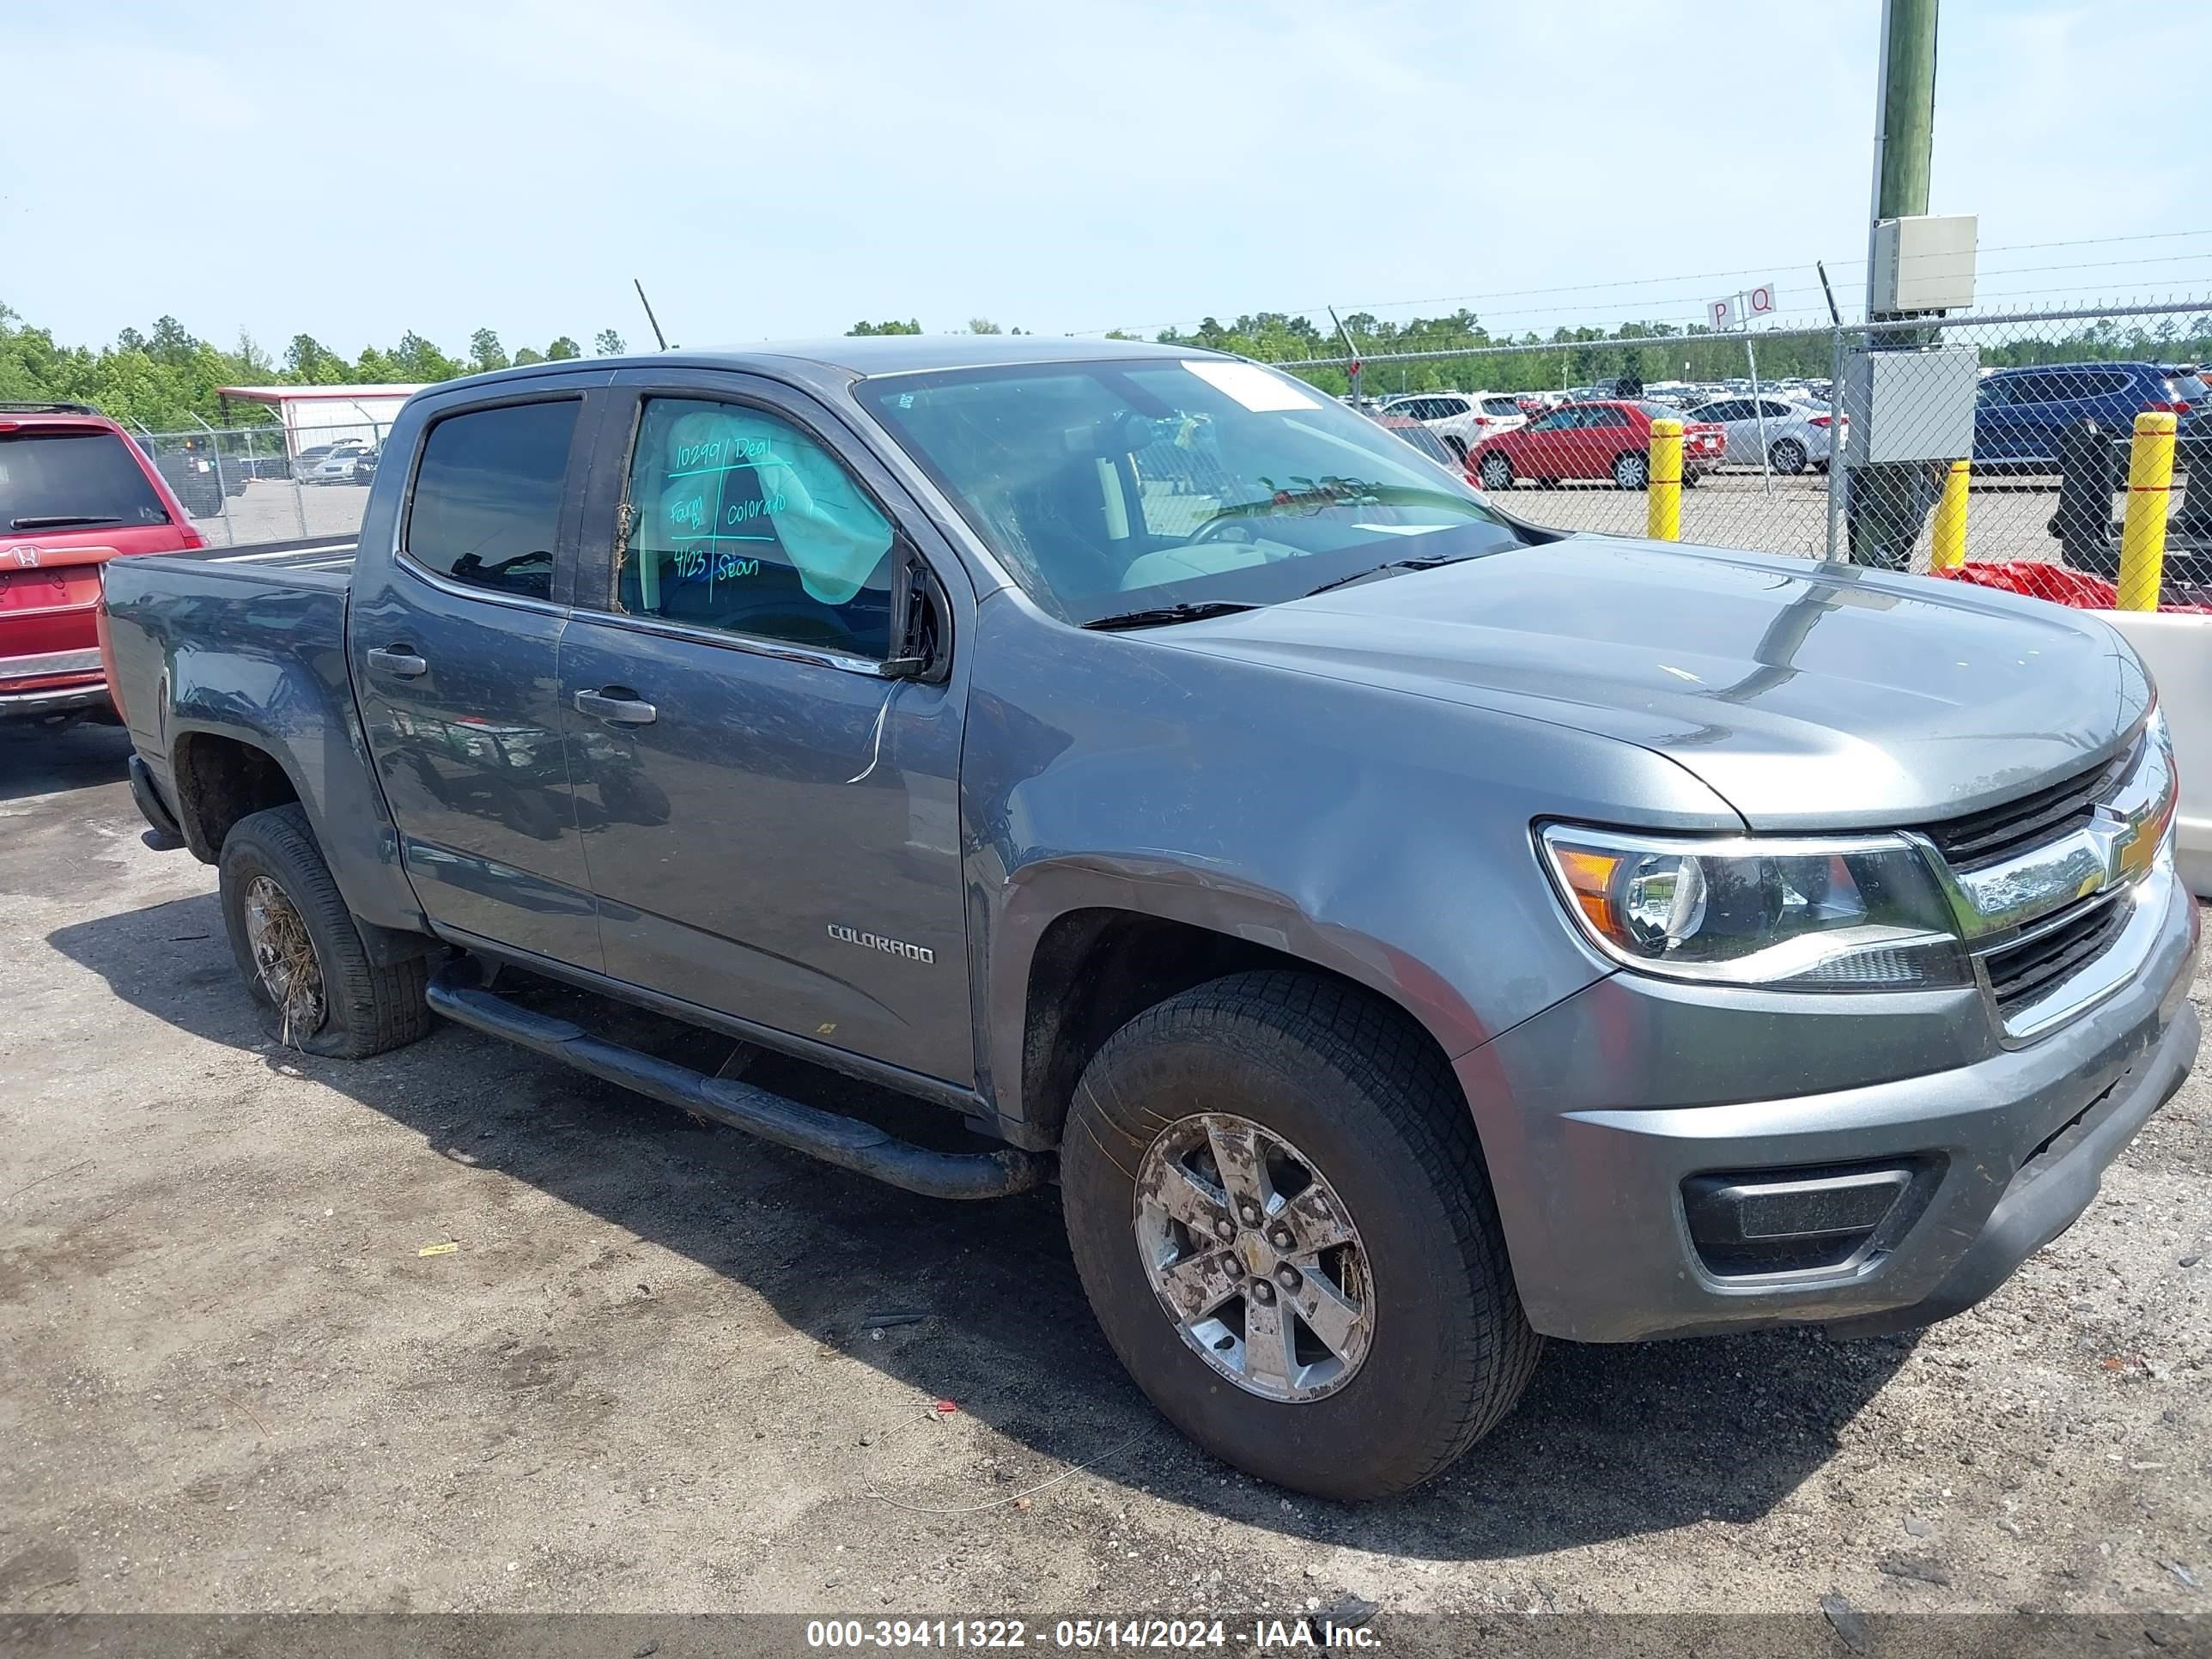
(1826, 441)
(243, 485)
(1791, 444)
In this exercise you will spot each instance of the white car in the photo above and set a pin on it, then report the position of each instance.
(1461, 419)
(330, 463)
(1798, 434)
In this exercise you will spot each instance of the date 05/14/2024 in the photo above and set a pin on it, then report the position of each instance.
(1161, 1634)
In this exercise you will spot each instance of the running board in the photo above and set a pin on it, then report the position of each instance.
(845, 1141)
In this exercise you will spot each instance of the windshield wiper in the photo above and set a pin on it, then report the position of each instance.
(1160, 615)
(55, 520)
(1380, 569)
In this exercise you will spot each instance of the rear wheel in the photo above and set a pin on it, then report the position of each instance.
(299, 951)
(1632, 470)
(1497, 472)
(1278, 1206)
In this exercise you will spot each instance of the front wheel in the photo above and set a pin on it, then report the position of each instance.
(302, 958)
(1632, 470)
(1278, 1206)
(1497, 473)
(1787, 456)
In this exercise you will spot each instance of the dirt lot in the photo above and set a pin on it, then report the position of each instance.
(644, 1380)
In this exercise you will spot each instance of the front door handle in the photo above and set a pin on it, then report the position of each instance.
(400, 661)
(617, 705)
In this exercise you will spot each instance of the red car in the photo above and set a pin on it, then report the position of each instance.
(75, 492)
(1606, 440)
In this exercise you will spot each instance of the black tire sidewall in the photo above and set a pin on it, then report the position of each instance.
(1788, 457)
(1639, 468)
(278, 844)
(1502, 467)
(1373, 1437)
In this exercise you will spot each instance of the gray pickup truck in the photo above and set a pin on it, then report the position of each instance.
(1403, 933)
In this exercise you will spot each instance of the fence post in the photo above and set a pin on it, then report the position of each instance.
(2142, 528)
(1663, 511)
(1949, 548)
(1838, 475)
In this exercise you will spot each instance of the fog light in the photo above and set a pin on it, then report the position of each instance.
(1795, 1221)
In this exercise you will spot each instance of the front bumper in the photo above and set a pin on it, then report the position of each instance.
(1596, 1112)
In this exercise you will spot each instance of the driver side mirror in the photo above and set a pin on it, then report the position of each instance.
(921, 618)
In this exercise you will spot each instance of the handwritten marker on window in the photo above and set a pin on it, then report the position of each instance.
(446, 1248)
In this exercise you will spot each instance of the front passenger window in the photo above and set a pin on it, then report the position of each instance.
(739, 522)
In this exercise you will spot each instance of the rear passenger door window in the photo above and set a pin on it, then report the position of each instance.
(739, 521)
(485, 509)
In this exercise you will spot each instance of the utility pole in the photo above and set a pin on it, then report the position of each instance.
(1905, 131)
(1888, 503)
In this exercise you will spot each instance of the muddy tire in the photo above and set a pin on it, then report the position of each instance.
(1278, 1206)
(301, 955)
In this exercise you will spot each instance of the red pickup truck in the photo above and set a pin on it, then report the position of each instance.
(75, 492)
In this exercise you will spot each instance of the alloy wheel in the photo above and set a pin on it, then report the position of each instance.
(1254, 1257)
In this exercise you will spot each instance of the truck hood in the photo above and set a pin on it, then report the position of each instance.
(1807, 694)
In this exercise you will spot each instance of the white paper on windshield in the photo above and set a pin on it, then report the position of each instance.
(1254, 386)
(1401, 529)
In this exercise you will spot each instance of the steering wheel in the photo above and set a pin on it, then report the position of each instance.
(1221, 529)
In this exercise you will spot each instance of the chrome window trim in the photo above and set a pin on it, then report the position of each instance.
(752, 644)
(469, 590)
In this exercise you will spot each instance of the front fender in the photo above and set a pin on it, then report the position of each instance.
(1378, 835)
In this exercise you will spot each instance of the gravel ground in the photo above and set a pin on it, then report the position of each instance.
(643, 1381)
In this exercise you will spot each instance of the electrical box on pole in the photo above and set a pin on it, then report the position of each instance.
(1924, 262)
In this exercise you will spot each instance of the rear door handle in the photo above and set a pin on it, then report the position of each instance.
(617, 705)
(399, 661)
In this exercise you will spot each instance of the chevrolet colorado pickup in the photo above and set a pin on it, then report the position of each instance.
(1403, 933)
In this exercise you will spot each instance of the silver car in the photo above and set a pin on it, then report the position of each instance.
(1796, 435)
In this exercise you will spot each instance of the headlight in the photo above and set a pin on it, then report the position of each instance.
(1849, 914)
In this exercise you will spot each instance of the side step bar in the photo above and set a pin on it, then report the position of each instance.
(845, 1141)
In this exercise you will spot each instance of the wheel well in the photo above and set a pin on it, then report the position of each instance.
(219, 782)
(1094, 970)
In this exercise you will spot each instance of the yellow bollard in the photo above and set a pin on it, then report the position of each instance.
(1948, 550)
(2142, 527)
(1662, 519)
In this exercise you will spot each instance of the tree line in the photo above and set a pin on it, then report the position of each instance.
(166, 379)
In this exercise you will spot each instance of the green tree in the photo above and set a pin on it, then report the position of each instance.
(306, 357)
(608, 343)
(984, 325)
(485, 351)
(907, 327)
(528, 355)
(563, 350)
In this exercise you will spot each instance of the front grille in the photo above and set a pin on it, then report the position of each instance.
(1998, 832)
(2019, 972)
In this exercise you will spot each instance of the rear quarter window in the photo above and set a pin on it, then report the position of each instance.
(83, 479)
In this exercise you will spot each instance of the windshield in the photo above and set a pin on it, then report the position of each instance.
(82, 479)
(1108, 488)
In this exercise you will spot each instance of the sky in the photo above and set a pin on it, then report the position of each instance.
(352, 172)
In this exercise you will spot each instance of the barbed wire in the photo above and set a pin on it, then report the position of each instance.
(1631, 306)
